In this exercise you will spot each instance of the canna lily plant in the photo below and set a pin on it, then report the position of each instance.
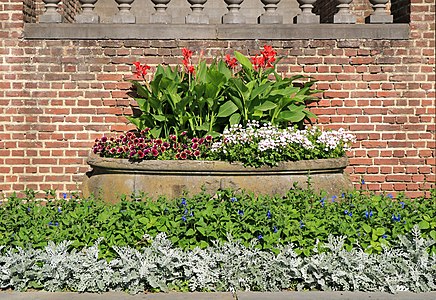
(204, 99)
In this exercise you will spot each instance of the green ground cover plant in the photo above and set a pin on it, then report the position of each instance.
(223, 266)
(301, 218)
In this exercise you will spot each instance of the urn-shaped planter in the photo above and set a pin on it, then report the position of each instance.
(112, 177)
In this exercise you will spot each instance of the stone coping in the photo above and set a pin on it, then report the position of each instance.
(201, 167)
(74, 31)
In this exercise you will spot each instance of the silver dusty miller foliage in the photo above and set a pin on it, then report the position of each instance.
(222, 267)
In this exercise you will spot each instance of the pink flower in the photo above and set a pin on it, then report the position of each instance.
(154, 152)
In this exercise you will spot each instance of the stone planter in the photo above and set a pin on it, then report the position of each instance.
(112, 177)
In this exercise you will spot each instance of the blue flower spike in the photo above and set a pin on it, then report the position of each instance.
(268, 215)
(64, 195)
(402, 204)
(233, 199)
(240, 212)
(183, 203)
(334, 197)
(275, 229)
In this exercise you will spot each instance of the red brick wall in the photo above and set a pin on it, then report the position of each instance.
(56, 97)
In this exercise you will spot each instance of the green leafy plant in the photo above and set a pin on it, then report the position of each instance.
(252, 95)
(301, 218)
(205, 99)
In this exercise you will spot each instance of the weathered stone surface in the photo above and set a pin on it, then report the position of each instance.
(215, 32)
(112, 178)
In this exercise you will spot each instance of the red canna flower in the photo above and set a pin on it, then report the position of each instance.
(269, 55)
(141, 70)
(186, 53)
(258, 62)
(231, 62)
(190, 69)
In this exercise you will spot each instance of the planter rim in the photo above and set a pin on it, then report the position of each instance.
(205, 167)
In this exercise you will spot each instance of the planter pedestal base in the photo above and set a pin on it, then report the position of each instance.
(111, 178)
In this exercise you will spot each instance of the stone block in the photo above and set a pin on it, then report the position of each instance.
(90, 18)
(196, 18)
(232, 18)
(379, 19)
(51, 18)
(344, 19)
(124, 18)
(267, 18)
(306, 19)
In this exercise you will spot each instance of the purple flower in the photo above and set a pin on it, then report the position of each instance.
(275, 229)
(268, 214)
(259, 237)
(301, 224)
(390, 195)
(334, 197)
(183, 218)
(240, 212)
(233, 199)
(64, 195)
(384, 236)
(402, 204)
(363, 181)
(183, 203)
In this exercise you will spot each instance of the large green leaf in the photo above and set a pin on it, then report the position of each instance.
(227, 109)
(290, 116)
(244, 61)
(267, 105)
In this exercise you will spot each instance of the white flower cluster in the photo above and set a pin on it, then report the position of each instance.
(269, 137)
(334, 138)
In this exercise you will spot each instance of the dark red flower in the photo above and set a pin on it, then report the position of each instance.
(194, 146)
(197, 153)
(154, 152)
(183, 155)
(209, 138)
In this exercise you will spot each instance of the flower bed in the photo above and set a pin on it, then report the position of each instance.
(354, 241)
